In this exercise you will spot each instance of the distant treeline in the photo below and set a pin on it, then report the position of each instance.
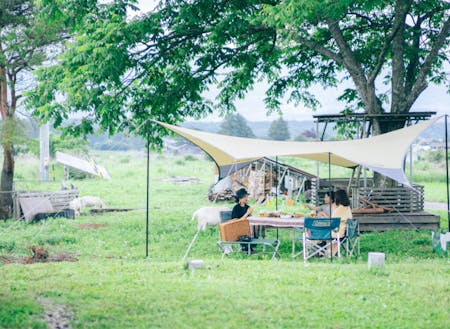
(124, 142)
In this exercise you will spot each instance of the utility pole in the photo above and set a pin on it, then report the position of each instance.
(44, 151)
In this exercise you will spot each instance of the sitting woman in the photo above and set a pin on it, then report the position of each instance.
(241, 210)
(342, 211)
(324, 210)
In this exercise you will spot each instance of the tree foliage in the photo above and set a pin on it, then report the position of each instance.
(235, 125)
(119, 72)
(279, 130)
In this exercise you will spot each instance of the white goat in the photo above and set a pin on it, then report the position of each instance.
(208, 216)
(86, 201)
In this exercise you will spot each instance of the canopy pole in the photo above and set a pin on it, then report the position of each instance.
(446, 172)
(277, 183)
(329, 178)
(410, 164)
(148, 194)
(316, 196)
(329, 194)
(276, 189)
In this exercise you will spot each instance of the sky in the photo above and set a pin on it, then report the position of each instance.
(434, 98)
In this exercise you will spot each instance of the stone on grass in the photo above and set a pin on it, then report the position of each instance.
(375, 260)
(195, 264)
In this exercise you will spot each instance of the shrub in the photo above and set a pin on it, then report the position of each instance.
(190, 157)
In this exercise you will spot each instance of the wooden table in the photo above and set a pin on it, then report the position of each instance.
(278, 223)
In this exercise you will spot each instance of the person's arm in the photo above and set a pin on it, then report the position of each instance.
(247, 213)
(310, 206)
(322, 214)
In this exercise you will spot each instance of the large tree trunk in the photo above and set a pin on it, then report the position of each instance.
(6, 183)
(385, 126)
(7, 176)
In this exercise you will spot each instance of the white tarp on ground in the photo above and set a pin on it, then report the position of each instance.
(83, 165)
(384, 153)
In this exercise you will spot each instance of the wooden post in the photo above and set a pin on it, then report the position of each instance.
(44, 148)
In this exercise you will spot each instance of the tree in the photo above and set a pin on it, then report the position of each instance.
(402, 44)
(235, 125)
(118, 72)
(24, 38)
(121, 72)
(279, 130)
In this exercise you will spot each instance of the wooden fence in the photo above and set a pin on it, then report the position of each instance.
(401, 199)
(58, 199)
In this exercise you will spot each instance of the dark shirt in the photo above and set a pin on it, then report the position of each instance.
(239, 211)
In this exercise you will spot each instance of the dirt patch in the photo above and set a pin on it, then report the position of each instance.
(91, 226)
(56, 316)
(39, 255)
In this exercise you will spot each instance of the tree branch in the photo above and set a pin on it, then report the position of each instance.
(321, 50)
(421, 82)
(414, 61)
(398, 52)
(349, 60)
(398, 27)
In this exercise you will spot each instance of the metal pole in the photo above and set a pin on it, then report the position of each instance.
(410, 164)
(316, 197)
(148, 194)
(329, 193)
(276, 188)
(446, 171)
(329, 178)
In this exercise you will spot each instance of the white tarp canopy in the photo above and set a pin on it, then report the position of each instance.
(384, 153)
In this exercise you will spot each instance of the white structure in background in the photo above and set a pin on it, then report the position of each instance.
(223, 184)
(87, 166)
(44, 151)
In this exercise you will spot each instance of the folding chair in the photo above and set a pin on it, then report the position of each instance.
(350, 242)
(316, 231)
(225, 216)
(232, 230)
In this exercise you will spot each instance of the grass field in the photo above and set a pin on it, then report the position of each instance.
(112, 285)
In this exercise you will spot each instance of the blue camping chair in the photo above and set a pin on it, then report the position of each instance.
(318, 237)
(350, 242)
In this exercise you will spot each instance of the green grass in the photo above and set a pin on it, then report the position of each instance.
(114, 286)
(263, 294)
